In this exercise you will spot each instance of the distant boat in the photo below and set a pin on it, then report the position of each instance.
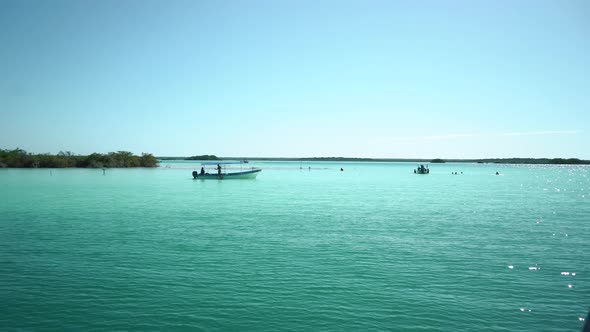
(422, 170)
(247, 174)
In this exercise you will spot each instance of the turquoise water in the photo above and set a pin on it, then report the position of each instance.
(372, 248)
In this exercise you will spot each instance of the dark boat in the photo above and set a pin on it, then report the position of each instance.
(422, 170)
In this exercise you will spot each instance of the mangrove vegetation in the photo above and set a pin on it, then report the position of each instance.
(22, 159)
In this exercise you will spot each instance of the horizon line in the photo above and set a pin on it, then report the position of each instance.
(375, 158)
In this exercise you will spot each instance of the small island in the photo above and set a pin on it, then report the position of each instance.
(19, 158)
(437, 161)
(203, 157)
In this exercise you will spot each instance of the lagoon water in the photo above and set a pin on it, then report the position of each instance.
(372, 248)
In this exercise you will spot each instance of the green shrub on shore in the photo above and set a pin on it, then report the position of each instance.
(19, 158)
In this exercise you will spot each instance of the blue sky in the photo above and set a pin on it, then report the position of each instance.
(392, 79)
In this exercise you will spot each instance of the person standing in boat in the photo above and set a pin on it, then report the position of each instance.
(219, 170)
(202, 170)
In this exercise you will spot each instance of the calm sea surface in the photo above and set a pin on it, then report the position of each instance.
(372, 248)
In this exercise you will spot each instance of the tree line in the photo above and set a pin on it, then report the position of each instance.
(23, 159)
(554, 161)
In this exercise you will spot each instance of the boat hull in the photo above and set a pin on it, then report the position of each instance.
(228, 176)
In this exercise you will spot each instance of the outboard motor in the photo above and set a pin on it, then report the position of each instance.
(195, 174)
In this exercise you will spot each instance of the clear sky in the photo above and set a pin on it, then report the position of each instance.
(392, 79)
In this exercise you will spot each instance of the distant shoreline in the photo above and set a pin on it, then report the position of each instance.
(19, 158)
(513, 161)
